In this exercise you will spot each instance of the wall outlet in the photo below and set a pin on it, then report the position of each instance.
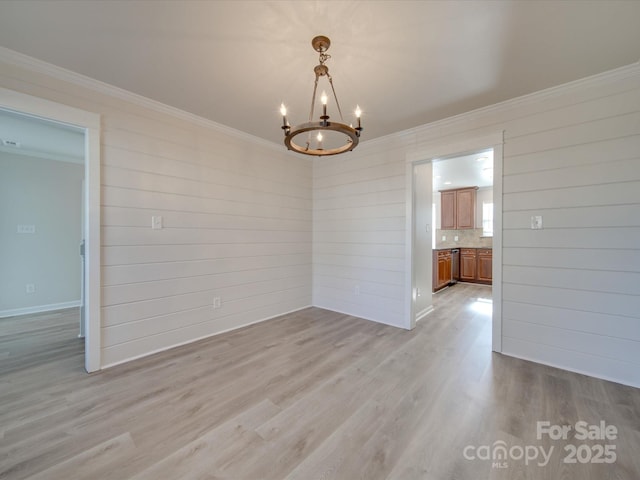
(455, 239)
(356, 289)
(30, 288)
(156, 222)
(26, 229)
(444, 238)
(216, 302)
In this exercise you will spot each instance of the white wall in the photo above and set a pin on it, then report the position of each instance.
(238, 217)
(571, 292)
(422, 253)
(236, 211)
(359, 234)
(48, 195)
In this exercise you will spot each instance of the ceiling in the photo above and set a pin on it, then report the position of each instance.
(406, 63)
(473, 170)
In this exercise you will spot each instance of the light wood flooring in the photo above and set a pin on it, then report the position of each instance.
(310, 395)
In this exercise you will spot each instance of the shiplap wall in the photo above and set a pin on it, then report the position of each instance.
(359, 233)
(237, 222)
(571, 292)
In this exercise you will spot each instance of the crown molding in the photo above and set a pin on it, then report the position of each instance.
(409, 135)
(38, 66)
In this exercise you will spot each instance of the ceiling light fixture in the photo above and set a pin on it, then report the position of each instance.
(338, 137)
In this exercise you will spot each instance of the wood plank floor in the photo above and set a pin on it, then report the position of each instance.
(310, 395)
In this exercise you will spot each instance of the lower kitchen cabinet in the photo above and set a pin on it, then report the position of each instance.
(476, 266)
(468, 263)
(441, 269)
(485, 265)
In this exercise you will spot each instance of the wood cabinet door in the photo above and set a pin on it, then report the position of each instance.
(441, 269)
(448, 210)
(485, 267)
(446, 274)
(466, 208)
(468, 264)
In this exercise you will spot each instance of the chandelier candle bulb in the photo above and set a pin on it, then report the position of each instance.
(283, 111)
(319, 137)
(358, 114)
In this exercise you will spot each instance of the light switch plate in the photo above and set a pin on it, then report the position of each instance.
(536, 222)
(156, 222)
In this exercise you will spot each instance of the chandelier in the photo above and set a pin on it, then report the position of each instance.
(322, 137)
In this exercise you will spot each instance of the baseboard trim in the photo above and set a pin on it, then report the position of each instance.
(38, 309)
(420, 315)
(187, 342)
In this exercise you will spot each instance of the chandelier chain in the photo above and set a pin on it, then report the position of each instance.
(335, 96)
(313, 98)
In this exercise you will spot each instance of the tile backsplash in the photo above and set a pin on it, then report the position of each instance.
(466, 238)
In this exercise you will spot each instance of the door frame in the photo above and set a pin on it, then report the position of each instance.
(426, 153)
(90, 123)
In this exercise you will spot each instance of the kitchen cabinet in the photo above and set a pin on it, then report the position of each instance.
(441, 269)
(448, 210)
(485, 263)
(468, 264)
(458, 208)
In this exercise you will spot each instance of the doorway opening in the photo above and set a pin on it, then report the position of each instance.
(42, 165)
(477, 244)
(54, 228)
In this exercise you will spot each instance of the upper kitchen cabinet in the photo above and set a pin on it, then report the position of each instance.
(458, 208)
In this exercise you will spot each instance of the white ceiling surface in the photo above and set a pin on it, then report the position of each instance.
(406, 63)
(40, 138)
(473, 170)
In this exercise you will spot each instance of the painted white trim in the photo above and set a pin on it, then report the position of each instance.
(90, 123)
(193, 340)
(37, 309)
(38, 66)
(438, 148)
(496, 267)
(410, 227)
(351, 314)
(427, 152)
(424, 313)
(538, 360)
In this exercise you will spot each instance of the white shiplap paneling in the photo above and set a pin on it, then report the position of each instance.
(236, 214)
(359, 235)
(570, 291)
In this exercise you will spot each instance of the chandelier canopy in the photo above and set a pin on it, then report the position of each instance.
(322, 137)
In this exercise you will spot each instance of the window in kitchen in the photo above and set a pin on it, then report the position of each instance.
(487, 219)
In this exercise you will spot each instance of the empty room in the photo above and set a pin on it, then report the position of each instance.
(334, 240)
